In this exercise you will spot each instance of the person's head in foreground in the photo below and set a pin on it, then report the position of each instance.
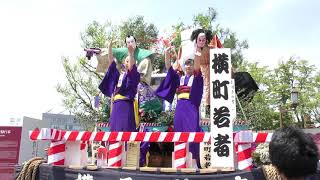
(125, 64)
(293, 153)
(188, 64)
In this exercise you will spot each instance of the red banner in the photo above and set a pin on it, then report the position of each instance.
(10, 138)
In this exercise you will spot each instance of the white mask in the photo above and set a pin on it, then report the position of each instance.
(201, 40)
(130, 41)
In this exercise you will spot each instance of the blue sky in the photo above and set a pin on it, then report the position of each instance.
(34, 34)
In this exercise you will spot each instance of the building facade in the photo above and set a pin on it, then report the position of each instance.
(62, 121)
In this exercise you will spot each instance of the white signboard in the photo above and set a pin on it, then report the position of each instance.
(12, 122)
(222, 109)
(205, 156)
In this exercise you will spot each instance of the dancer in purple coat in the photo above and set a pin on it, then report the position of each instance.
(189, 89)
(122, 87)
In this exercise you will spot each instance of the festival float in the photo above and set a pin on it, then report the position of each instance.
(155, 150)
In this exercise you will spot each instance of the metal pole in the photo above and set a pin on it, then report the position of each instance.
(281, 120)
(92, 144)
(303, 122)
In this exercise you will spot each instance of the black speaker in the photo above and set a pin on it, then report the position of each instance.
(246, 87)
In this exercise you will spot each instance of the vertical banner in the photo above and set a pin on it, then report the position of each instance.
(10, 137)
(222, 109)
(205, 155)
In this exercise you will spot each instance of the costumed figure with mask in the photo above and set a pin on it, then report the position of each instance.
(189, 89)
(201, 39)
(142, 57)
(147, 100)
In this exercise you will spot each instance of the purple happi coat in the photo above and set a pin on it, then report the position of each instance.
(122, 112)
(187, 116)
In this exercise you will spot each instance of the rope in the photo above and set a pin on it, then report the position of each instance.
(30, 168)
(271, 172)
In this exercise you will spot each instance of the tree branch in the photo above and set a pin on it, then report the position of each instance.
(94, 72)
(77, 93)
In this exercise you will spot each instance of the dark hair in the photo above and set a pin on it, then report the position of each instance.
(128, 36)
(188, 61)
(195, 33)
(293, 152)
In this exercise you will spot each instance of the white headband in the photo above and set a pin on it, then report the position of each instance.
(184, 59)
(201, 34)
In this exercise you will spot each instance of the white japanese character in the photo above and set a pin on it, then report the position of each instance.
(128, 178)
(239, 178)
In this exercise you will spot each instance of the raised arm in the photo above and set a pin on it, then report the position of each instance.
(197, 60)
(110, 55)
(169, 85)
(111, 77)
(132, 61)
(167, 58)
